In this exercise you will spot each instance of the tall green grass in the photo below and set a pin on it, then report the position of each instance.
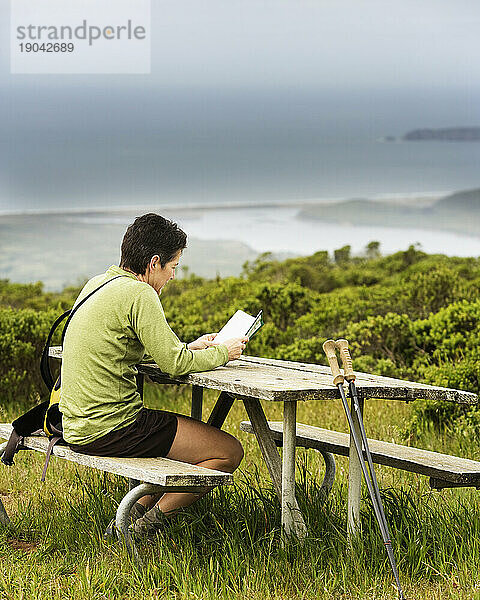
(228, 545)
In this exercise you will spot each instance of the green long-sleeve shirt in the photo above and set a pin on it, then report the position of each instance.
(108, 335)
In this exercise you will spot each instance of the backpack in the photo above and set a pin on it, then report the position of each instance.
(45, 417)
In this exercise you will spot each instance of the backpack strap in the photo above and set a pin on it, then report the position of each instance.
(75, 308)
(44, 364)
(44, 361)
(53, 442)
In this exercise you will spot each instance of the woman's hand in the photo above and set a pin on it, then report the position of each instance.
(235, 347)
(205, 341)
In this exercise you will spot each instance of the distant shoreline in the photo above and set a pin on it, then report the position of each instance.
(456, 213)
(407, 198)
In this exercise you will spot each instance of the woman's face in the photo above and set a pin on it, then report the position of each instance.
(158, 276)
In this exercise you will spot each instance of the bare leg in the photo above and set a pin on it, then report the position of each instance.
(198, 444)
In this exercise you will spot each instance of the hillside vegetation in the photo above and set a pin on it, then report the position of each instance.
(408, 315)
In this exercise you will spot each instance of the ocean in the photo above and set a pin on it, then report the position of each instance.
(233, 167)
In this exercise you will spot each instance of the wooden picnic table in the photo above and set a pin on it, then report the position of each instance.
(255, 380)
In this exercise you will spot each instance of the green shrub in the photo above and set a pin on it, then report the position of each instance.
(22, 337)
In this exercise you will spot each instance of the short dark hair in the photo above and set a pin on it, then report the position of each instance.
(148, 235)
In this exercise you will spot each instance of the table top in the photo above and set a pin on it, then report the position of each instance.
(280, 380)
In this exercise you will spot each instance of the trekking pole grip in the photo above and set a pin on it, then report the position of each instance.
(329, 349)
(342, 347)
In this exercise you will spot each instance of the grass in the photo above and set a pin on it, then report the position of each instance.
(228, 545)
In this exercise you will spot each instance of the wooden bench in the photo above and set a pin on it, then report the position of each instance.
(146, 475)
(444, 470)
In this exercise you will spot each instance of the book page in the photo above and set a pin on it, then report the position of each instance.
(236, 326)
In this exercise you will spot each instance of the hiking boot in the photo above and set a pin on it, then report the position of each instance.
(137, 511)
(148, 525)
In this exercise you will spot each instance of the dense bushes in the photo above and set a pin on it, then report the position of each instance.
(409, 315)
(22, 336)
(31, 295)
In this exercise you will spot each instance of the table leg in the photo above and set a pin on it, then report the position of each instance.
(354, 480)
(197, 402)
(220, 410)
(274, 463)
(289, 505)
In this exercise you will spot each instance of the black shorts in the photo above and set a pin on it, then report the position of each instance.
(150, 435)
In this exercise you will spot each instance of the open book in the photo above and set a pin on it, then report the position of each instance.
(241, 324)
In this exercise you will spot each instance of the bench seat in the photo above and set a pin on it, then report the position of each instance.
(157, 471)
(444, 470)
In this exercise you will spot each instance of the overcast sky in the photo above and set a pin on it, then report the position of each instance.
(250, 98)
(308, 43)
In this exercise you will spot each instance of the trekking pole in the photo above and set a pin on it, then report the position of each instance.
(329, 348)
(342, 347)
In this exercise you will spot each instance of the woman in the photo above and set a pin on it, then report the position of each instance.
(122, 324)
